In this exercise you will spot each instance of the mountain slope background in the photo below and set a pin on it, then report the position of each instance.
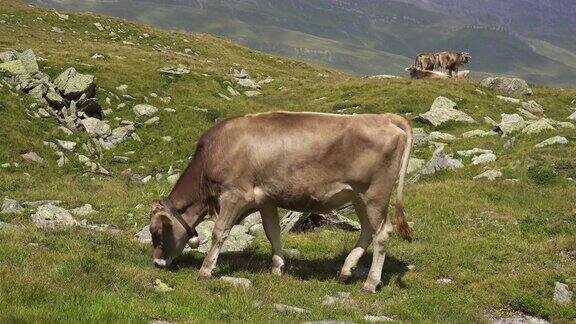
(528, 38)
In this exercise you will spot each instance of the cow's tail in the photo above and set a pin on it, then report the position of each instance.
(403, 227)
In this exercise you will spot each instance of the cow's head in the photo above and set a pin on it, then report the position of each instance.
(465, 57)
(170, 233)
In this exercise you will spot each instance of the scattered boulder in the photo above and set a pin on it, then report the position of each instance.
(518, 318)
(303, 222)
(478, 133)
(173, 178)
(439, 136)
(96, 127)
(32, 157)
(442, 111)
(538, 127)
(510, 124)
(572, 117)
(489, 174)
(419, 136)
(506, 85)
(441, 161)
(145, 110)
(473, 152)
(533, 107)
(252, 93)
(508, 99)
(67, 145)
(50, 216)
(289, 309)
(377, 319)
(162, 287)
(175, 70)
(144, 236)
(415, 165)
(83, 210)
(237, 282)
(238, 239)
(152, 121)
(484, 158)
(562, 293)
(11, 206)
(72, 85)
(341, 299)
(551, 141)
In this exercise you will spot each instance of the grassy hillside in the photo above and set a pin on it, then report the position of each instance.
(503, 244)
(360, 37)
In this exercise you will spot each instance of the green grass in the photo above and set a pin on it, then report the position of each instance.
(499, 241)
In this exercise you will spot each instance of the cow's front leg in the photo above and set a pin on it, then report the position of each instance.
(230, 208)
(271, 224)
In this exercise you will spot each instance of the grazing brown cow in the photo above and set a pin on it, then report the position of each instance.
(425, 61)
(451, 61)
(308, 162)
(416, 73)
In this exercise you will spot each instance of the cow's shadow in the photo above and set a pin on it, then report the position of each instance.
(321, 269)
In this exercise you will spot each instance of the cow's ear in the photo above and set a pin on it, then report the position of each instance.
(157, 205)
(165, 219)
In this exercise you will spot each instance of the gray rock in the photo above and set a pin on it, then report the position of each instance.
(72, 85)
(289, 309)
(83, 210)
(527, 114)
(62, 160)
(518, 318)
(533, 107)
(96, 127)
(237, 240)
(562, 293)
(242, 74)
(144, 236)
(8, 56)
(11, 206)
(256, 230)
(32, 157)
(508, 99)
(377, 319)
(490, 121)
(67, 145)
(507, 85)
(440, 161)
(473, 152)
(439, 136)
(144, 110)
(248, 83)
(442, 111)
(292, 253)
(538, 127)
(489, 174)
(300, 222)
(444, 281)
(572, 117)
(484, 158)
(237, 282)
(252, 220)
(120, 159)
(152, 121)
(551, 141)
(162, 287)
(173, 178)
(38, 203)
(341, 299)
(167, 138)
(14, 68)
(121, 134)
(478, 133)
(252, 93)
(511, 123)
(419, 137)
(50, 216)
(175, 70)
(415, 165)
(232, 92)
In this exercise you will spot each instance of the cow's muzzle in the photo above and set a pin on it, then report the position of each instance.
(160, 263)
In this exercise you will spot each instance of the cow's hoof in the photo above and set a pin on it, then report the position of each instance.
(203, 276)
(370, 287)
(345, 276)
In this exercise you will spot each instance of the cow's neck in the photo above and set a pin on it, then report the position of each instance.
(188, 192)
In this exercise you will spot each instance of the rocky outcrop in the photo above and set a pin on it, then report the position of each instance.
(510, 123)
(560, 140)
(513, 86)
(442, 111)
(441, 161)
(73, 85)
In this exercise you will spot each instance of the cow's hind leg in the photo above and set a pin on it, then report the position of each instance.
(231, 206)
(362, 243)
(271, 224)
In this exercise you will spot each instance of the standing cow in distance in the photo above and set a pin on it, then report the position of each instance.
(265, 161)
(451, 61)
(425, 61)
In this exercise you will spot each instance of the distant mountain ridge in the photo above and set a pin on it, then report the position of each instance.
(527, 38)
